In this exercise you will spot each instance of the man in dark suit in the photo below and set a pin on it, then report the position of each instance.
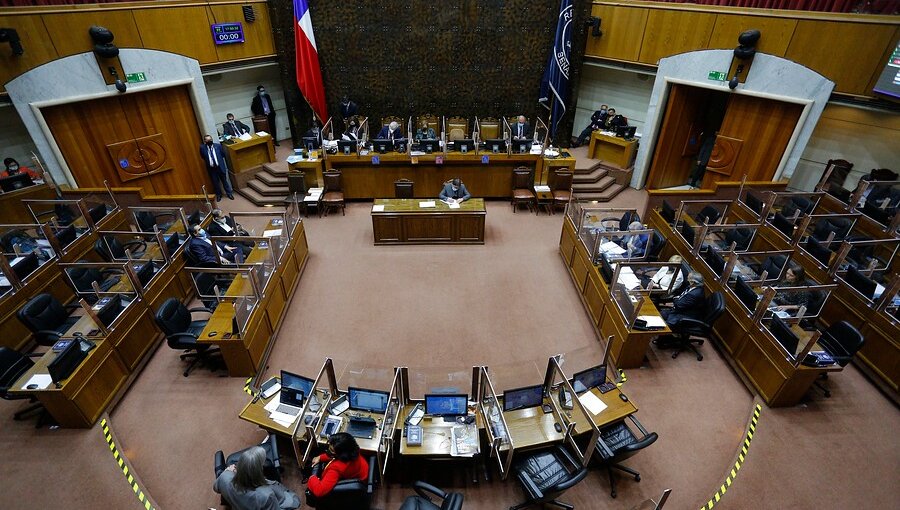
(235, 127)
(597, 120)
(262, 105)
(314, 132)
(214, 157)
(224, 226)
(689, 304)
(391, 132)
(521, 130)
(455, 191)
(613, 120)
(348, 108)
(202, 250)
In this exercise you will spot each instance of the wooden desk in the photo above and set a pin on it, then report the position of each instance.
(312, 171)
(14, 212)
(246, 156)
(435, 434)
(404, 222)
(550, 166)
(616, 410)
(531, 428)
(612, 150)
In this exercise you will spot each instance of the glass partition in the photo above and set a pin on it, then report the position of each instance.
(19, 240)
(628, 302)
(324, 391)
(695, 212)
(237, 287)
(99, 209)
(827, 229)
(649, 277)
(793, 341)
(123, 246)
(875, 255)
(571, 412)
(735, 237)
(758, 202)
(169, 220)
(759, 267)
(458, 380)
(794, 204)
(605, 231)
(65, 219)
(496, 429)
(245, 251)
(797, 302)
(6, 286)
(879, 200)
(105, 290)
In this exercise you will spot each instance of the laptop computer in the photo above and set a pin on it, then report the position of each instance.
(290, 402)
(361, 426)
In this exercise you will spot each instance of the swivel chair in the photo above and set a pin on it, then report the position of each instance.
(47, 318)
(656, 245)
(175, 320)
(688, 331)
(13, 365)
(618, 444)
(66, 235)
(797, 204)
(356, 494)
(546, 475)
(271, 468)
(448, 500)
(83, 278)
(708, 215)
(842, 341)
(741, 238)
(147, 221)
(111, 249)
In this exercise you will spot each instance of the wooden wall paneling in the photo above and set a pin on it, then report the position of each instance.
(674, 32)
(672, 164)
(183, 30)
(168, 113)
(258, 38)
(845, 53)
(623, 29)
(69, 31)
(775, 33)
(35, 42)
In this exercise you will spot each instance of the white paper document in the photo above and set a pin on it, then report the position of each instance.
(293, 158)
(592, 403)
(261, 133)
(377, 208)
(246, 136)
(285, 420)
(429, 203)
(40, 380)
(453, 205)
(629, 280)
(653, 321)
(611, 248)
(542, 189)
(272, 233)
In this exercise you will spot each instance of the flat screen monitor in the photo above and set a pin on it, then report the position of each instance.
(590, 378)
(382, 145)
(688, 233)
(172, 242)
(782, 332)
(784, 225)
(667, 212)
(25, 265)
(754, 203)
(347, 146)
(746, 294)
(109, 309)
(464, 146)
(862, 283)
(311, 143)
(144, 272)
(715, 261)
(606, 270)
(401, 145)
(294, 387)
(521, 398)
(521, 146)
(429, 145)
(15, 181)
(446, 405)
(495, 145)
(626, 132)
(888, 84)
(372, 401)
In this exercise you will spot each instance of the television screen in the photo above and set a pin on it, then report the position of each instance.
(888, 84)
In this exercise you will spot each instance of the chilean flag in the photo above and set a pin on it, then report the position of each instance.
(309, 75)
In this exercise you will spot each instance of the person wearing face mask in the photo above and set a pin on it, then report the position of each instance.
(13, 167)
(351, 134)
(521, 130)
(597, 120)
(314, 132)
(214, 157)
(425, 132)
(391, 132)
(262, 105)
(348, 108)
(202, 250)
(234, 127)
(455, 192)
(224, 226)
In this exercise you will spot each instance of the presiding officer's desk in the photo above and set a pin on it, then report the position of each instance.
(405, 221)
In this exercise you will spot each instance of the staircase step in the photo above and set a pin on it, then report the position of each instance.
(266, 190)
(589, 178)
(260, 200)
(605, 196)
(278, 168)
(271, 179)
(597, 187)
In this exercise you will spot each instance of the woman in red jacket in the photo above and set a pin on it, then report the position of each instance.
(342, 462)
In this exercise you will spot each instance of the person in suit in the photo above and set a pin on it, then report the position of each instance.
(223, 225)
(262, 105)
(425, 132)
(245, 487)
(314, 131)
(341, 462)
(663, 278)
(234, 127)
(689, 304)
(521, 130)
(613, 120)
(635, 244)
(348, 108)
(202, 250)
(597, 120)
(455, 191)
(391, 132)
(217, 166)
(352, 132)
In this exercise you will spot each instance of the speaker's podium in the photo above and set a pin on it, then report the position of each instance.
(612, 150)
(246, 156)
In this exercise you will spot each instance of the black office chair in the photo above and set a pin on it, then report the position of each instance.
(271, 468)
(797, 205)
(546, 475)
(182, 332)
(689, 331)
(66, 236)
(425, 491)
(708, 214)
(356, 494)
(147, 220)
(65, 214)
(825, 226)
(842, 341)
(783, 225)
(97, 213)
(111, 249)
(667, 212)
(47, 318)
(13, 365)
(740, 237)
(84, 277)
(772, 266)
(621, 443)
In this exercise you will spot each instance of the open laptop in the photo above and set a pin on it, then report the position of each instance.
(293, 390)
(370, 401)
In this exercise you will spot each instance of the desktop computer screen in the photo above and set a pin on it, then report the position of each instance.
(294, 387)
(590, 378)
(521, 398)
(446, 405)
(372, 401)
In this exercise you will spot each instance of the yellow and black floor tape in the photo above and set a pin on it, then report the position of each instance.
(247, 389)
(124, 465)
(741, 457)
(622, 378)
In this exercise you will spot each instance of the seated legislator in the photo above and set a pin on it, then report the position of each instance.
(455, 192)
(224, 226)
(391, 132)
(795, 276)
(235, 127)
(613, 120)
(341, 462)
(635, 245)
(425, 132)
(314, 132)
(202, 250)
(245, 487)
(597, 120)
(662, 278)
(689, 304)
(13, 167)
(351, 134)
(521, 130)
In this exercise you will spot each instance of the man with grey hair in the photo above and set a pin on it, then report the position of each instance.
(245, 485)
(223, 225)
(689, 304)
(391, 132)
(521, 130)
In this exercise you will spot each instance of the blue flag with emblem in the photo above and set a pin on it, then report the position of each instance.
(555, 84)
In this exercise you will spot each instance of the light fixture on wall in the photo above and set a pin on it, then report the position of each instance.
(120, 85)
(594, 23)
(12, 37)
(743, 57)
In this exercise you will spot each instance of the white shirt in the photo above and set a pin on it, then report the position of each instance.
(663, 278)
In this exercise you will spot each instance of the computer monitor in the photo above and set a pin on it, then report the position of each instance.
(606, 270)
(465, 145)
(172, 242)
(521, 146)
(429, 145)
(590, 378)
(311, 143)
(715, 260)
(862, 283)
(109, 309)
(401, 145)
(25, 265)
(347, 146)
(521, 398)
(446, 404)
(495, 145)
(782, 332)
(784, 225)
(68, 359)
(626, 132)
(688, 233)
(15, 181)
(754, 203)
(667, 212)
(746, 294)
(144, 272)
(294, 388)
(372, 401)
(382, 145)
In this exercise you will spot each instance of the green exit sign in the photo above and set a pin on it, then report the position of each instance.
(135, 77)
(717, 76)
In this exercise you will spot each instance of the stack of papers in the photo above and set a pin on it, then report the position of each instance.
(590, 402)
(542, 189)
(283, 419)
(464, 440)
(261, 133)
(272, 233)
(453, 205)
(377, 208)
(246, 136)
(314, 195)
(611, 248)
(428, 203)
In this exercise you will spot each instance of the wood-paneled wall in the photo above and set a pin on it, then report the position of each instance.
(48, 33)
(850, 50)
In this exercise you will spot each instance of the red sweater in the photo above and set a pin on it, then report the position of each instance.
(335, 471)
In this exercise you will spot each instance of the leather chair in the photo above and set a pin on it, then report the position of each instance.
(489, 128)
(175, 320)
(773, 266)
(448, 500)
(709, 214)
(457, 128)
(621, 224)
(403, 188)
(47, 318)
(797, 205)
(334, 192)
(617, 443)
(688, 331)
(656, 245)
(825, 226)
(13, 365)
(66, 236)
(296, 182)
(840, 168)
(97, 213)
(147, 221)
(842, 341)
(26, 242)
(839, 192)
(561, 189)
(546, 475)
(523, 189)
(111, 249)
(271, 468)
(741, 238)
(83, 278)
(346, 494)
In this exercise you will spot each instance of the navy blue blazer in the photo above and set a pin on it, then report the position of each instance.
(203, 251)
(220, 156)
(384, 134)
(690, 304)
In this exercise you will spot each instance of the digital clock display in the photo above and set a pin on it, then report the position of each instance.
(227, 33)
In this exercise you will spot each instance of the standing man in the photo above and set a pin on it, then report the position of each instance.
(703, 155)
(214, 157)
(262, 105)
(348, 108)
(597, 120)
(234, 127)
(521, 130)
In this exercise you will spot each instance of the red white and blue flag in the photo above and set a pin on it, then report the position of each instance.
(555, 83)
(309, 74)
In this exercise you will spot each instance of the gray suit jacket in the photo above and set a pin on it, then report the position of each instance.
(273, 496)
(448, 192)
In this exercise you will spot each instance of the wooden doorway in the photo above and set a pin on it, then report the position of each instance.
(146, 139)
